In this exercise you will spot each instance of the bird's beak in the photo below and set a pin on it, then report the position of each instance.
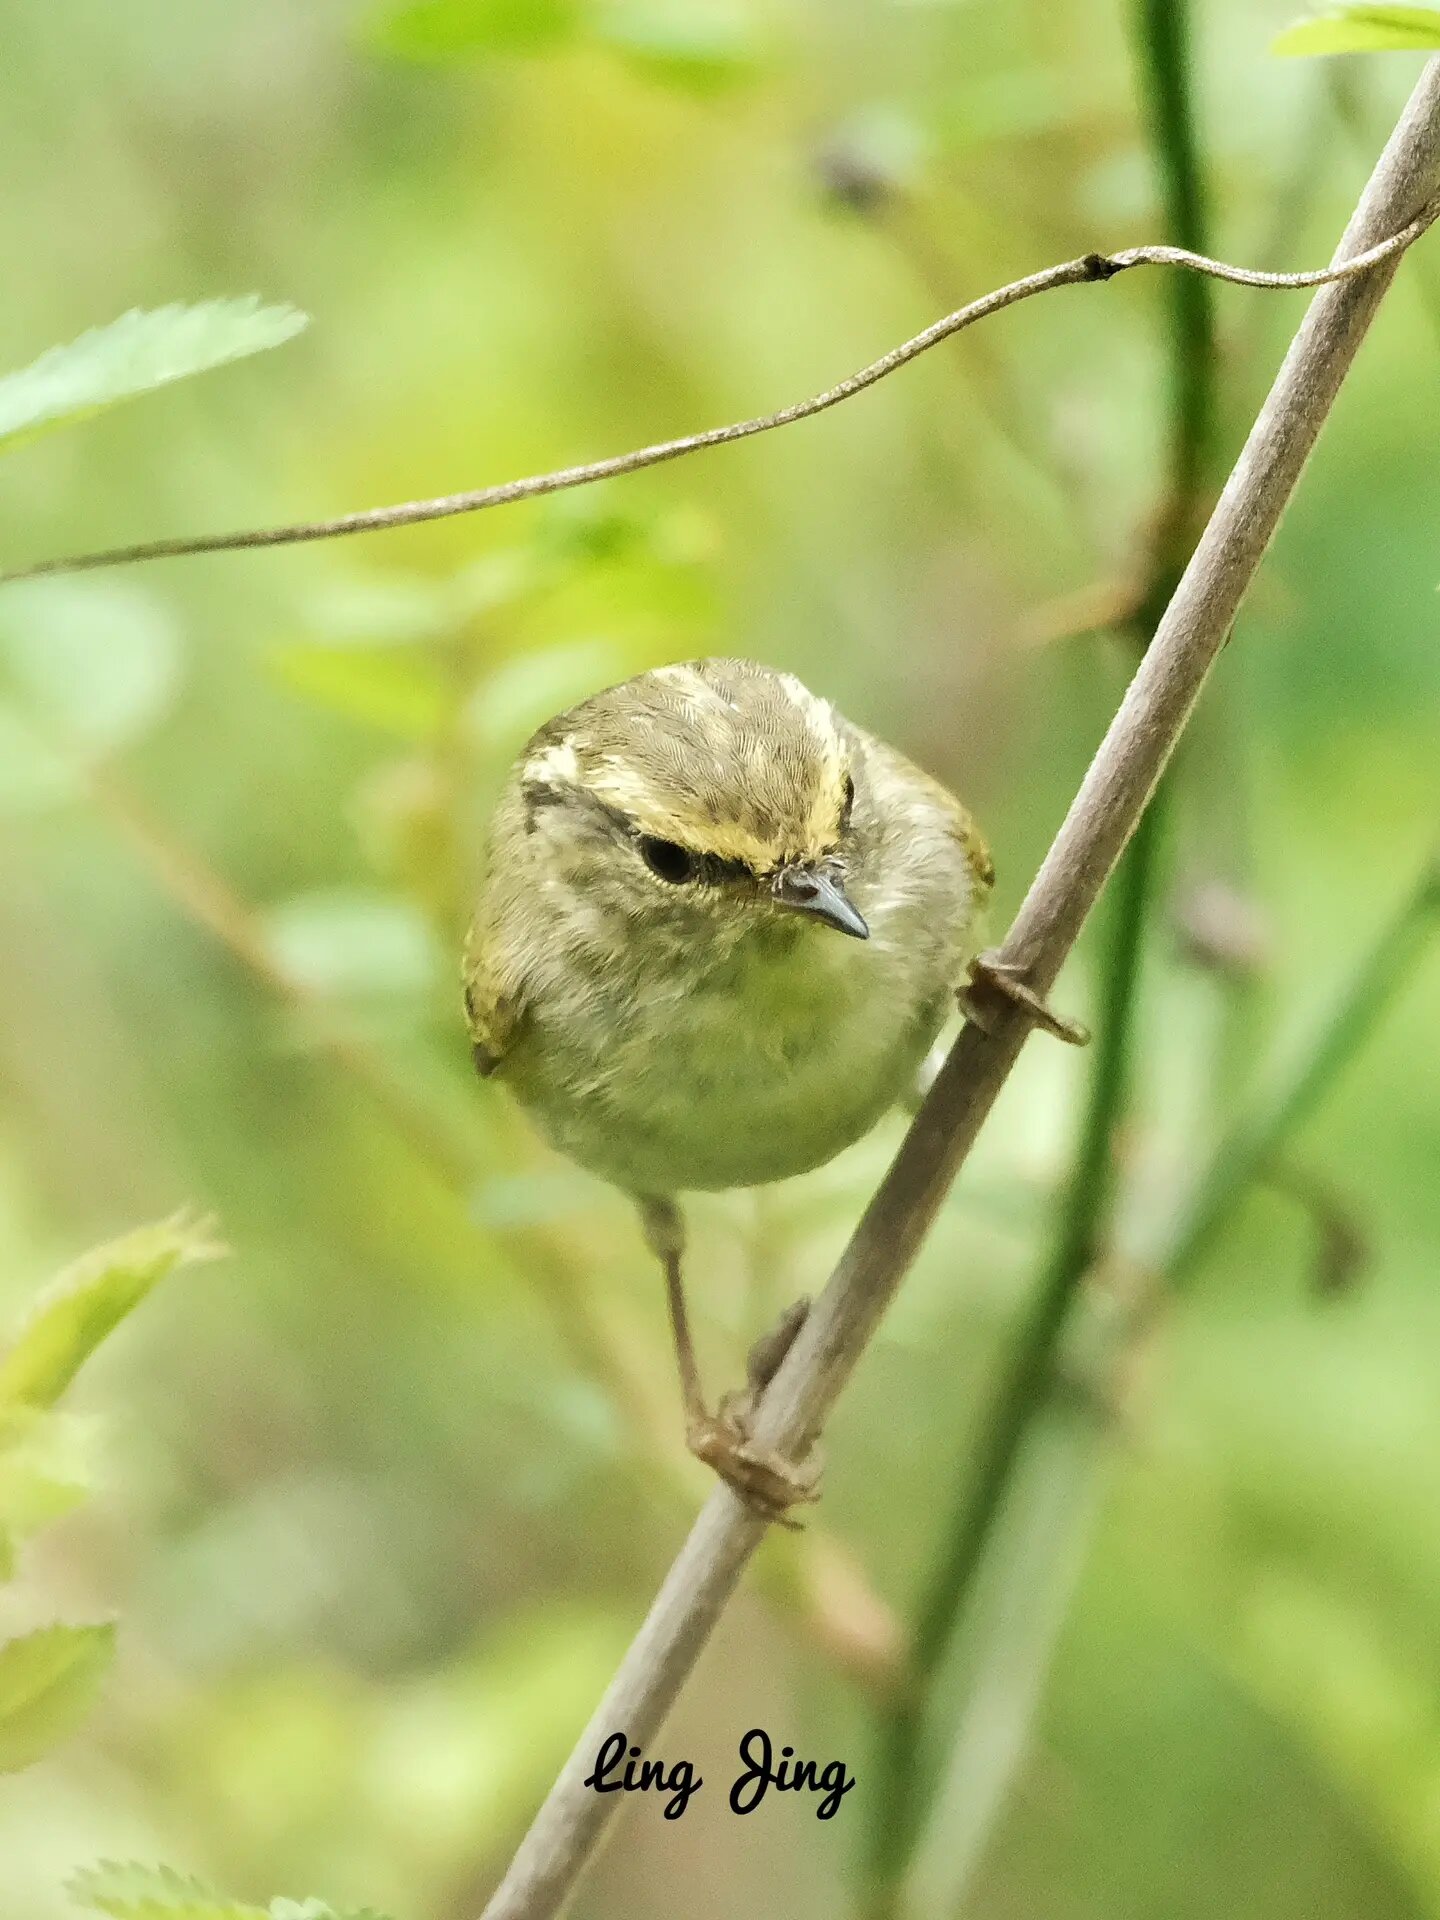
(810, 890)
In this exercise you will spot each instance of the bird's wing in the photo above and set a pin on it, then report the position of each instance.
(494, 1002)
(907, 782)
(960, 823)
(973, 844)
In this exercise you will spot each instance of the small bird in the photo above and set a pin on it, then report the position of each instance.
(719, 930)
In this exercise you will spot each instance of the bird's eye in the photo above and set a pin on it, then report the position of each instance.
(666, 860)
(847, 802)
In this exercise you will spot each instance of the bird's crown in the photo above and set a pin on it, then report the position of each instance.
(731, 761)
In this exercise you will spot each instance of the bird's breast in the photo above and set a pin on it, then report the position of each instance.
(722, 1069)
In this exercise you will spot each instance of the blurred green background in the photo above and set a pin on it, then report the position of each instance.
(381, 1497)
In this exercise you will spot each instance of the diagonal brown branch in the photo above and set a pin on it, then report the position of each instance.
(1121, 778)
(1090, 267)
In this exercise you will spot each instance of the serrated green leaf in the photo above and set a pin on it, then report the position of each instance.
(319, 1910)
(450, 29)
(1363, 29)
(127, 1891)
(390, 687)
(88, 1300)
(47, 1682)
(135, 354)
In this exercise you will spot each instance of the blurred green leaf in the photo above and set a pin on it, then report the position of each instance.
(459, 1755)
(381, 609)
(133, 355)
(130, 1892)
(445, 29)
(591, 527)
(355, 944)
(530, 1198)
(88, 1300)
(390, 687)
(1363, 29)
(578, 530)
(44, 1472)
(701, 46)
(85, 667)
(498, 581)
(575, 533)
(47, 1681)
(33, 775)
(510, 703)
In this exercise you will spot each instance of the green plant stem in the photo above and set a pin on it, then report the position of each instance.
(1021, 1396)
(1162, 36)
(1253, 1142)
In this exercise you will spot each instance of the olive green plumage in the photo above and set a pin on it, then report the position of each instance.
(658, 969)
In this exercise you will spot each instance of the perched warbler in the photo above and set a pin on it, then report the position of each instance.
(719, 930)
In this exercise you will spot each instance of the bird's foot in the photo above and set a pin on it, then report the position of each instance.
(765, 1480)
(768, 1483)
(990, 975)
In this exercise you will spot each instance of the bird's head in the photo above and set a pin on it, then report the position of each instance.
(709, 797)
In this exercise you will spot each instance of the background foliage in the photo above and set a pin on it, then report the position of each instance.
(378, 1499)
